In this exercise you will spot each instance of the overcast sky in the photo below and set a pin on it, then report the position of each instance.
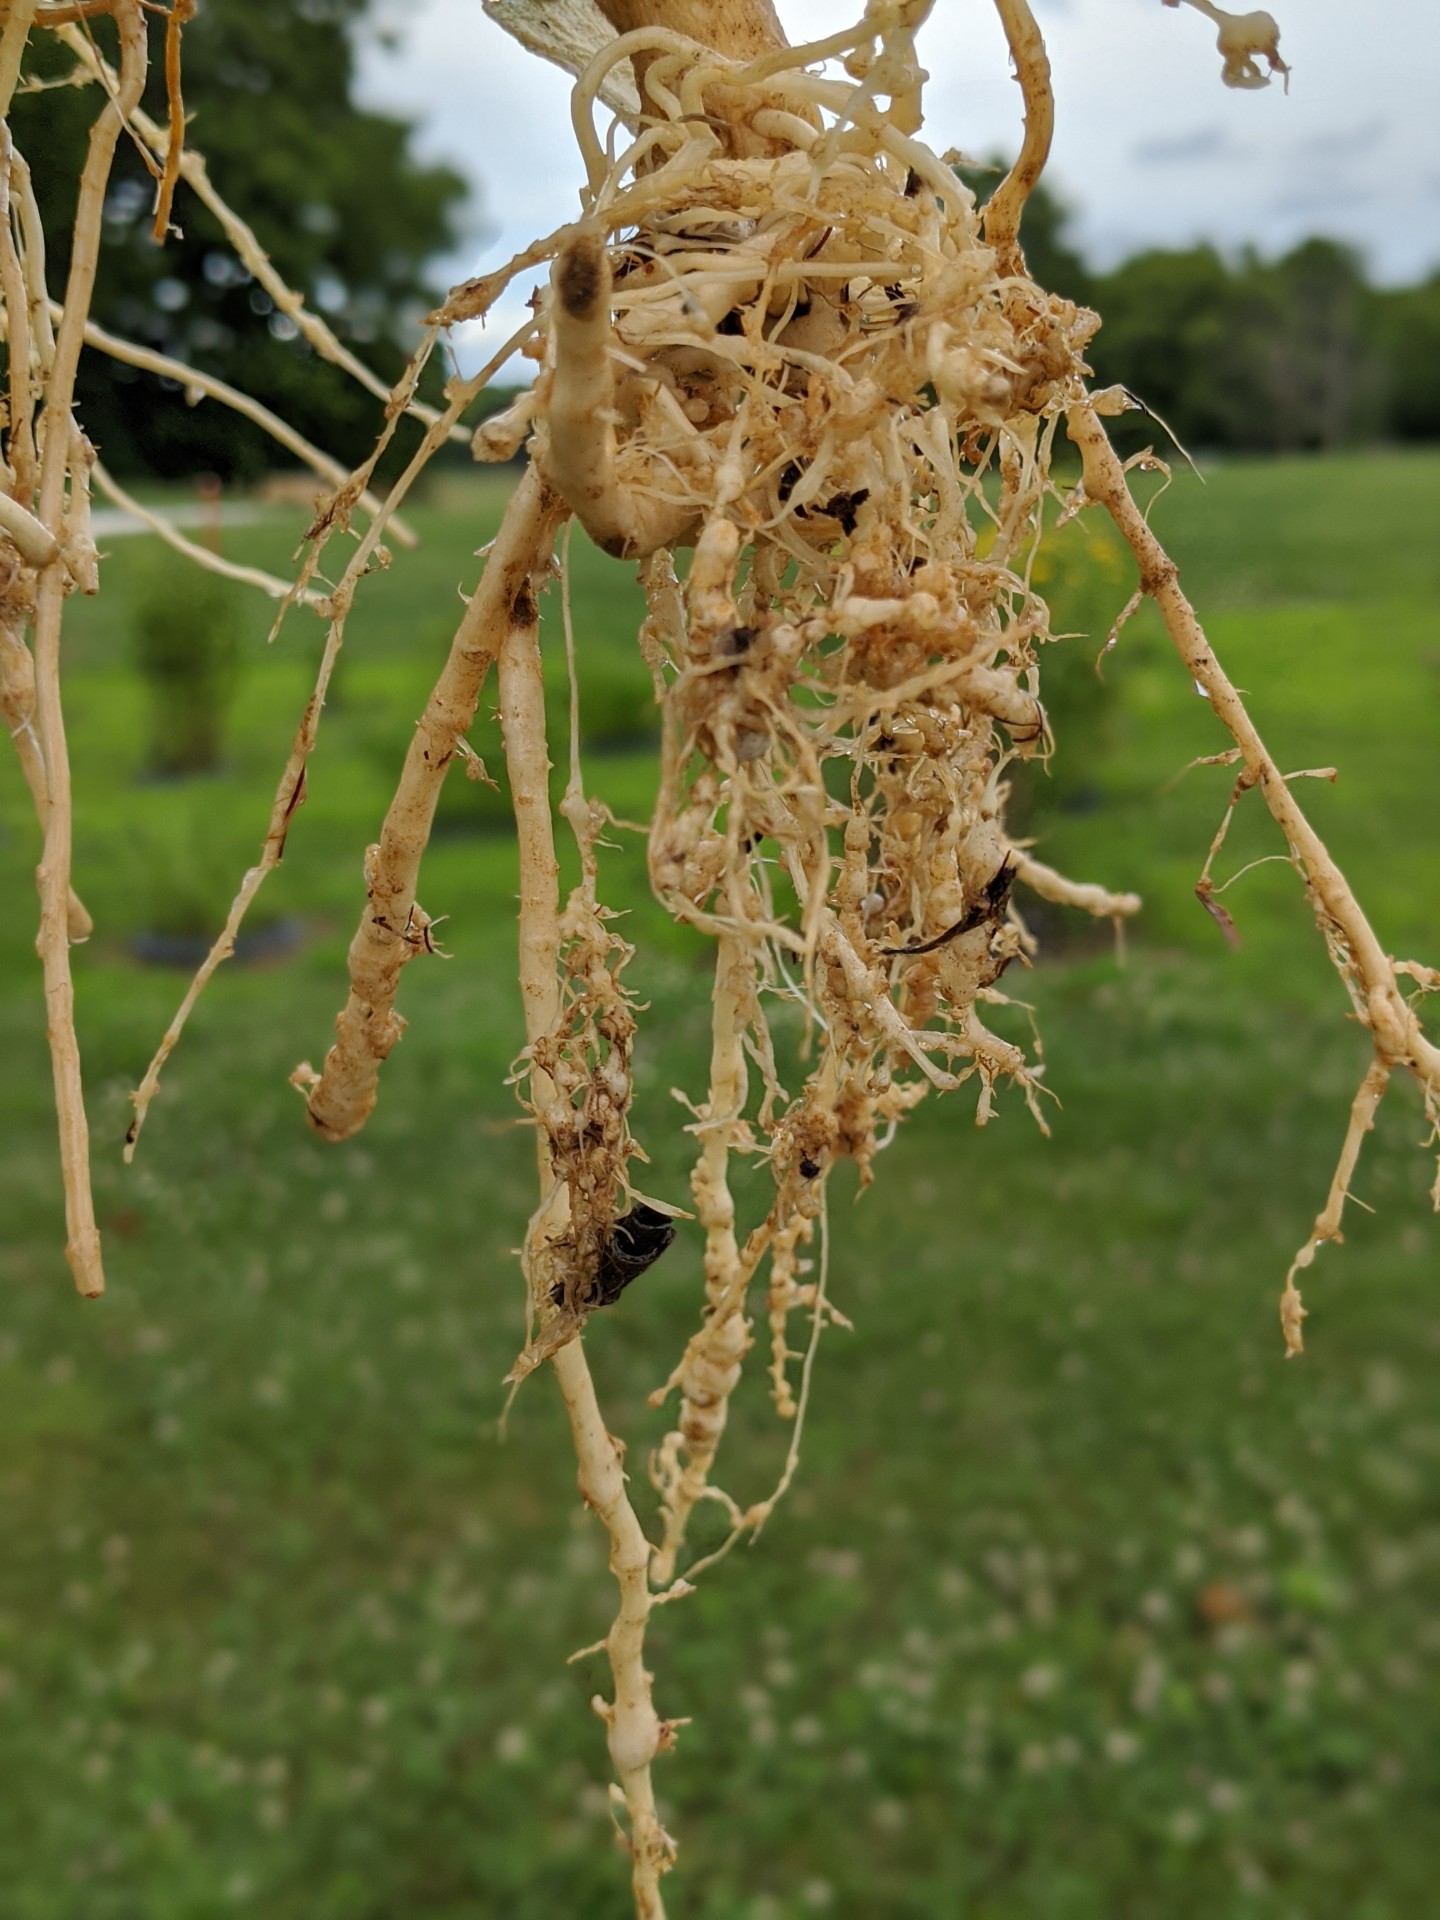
(1150, 148)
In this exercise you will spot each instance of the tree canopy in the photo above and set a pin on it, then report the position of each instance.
(348, 214)
(1245, 353)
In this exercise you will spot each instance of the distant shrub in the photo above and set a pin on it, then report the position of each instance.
(192, 857)
(185, 640)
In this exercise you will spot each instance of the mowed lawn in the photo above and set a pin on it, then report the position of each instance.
(1085, 1604)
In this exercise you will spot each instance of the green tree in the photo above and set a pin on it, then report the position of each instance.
(1166, 315)
(1295, 368)
(1265, 356)
(348, 215)
(1406, 330)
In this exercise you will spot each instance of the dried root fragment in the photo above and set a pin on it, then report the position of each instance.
(1244, 40)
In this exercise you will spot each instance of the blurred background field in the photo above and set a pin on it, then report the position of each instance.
(1084, 1605)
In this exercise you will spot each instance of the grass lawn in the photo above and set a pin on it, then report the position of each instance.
(1085, 1606)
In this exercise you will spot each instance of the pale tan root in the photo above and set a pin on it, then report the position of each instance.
(708, 1373)
(56, 434)
(751, 1519)
(1368, 972)
(1032, 70)
(34, 542)
(387, 937)
(1363, 1108)
(579, 453)
(740, 29)
(269, 584)
(743, 30)
(1084, 896)
(635, 1732)
(17, 710)
(35, 545)
(13, 34)
(20, 353)
(180, 12)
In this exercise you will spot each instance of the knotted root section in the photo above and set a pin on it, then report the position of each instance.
(575, 1074)
(779, 336)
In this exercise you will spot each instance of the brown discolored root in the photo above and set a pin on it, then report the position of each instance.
(392, 929)
(635, 1732)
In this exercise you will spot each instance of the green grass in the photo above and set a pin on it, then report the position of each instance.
(283, 1625)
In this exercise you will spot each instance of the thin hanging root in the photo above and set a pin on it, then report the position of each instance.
(710, 1369)
(57, 436)
(1369, 974)
(17, 708)
(1032, 69)
(1397, 1030)
(180, 12)
(1206, 891)
(344, 1093)
(197, 383)
(1205, 888)
(752, 1519)
(269, 584)
(1328, 1221)
(635, 1732)
(290, 792)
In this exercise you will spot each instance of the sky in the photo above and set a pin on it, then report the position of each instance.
(1150, 148)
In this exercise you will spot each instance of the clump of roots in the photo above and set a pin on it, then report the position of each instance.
(788, 345)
